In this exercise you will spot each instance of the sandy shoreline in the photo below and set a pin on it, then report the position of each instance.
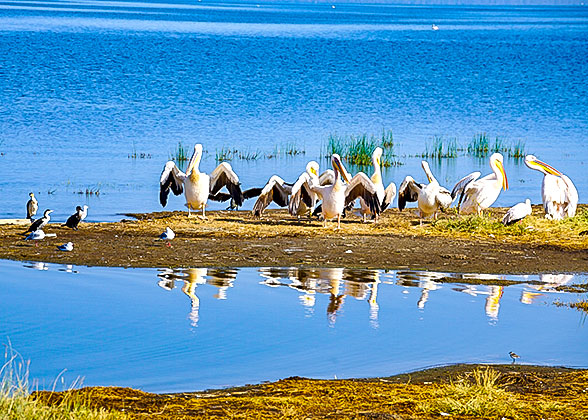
(236, 239)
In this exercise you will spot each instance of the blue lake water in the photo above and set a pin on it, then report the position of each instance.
(190, 329)
(84, 84)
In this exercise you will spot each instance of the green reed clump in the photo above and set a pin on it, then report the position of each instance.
(286, 149)
(16, 402)
(225, 154)
(517, 151)
(479, 146)
(358, 150)
(180, 154)
(441, 148)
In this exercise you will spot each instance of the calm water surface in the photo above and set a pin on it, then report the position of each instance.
(84, 84)
(163, 330)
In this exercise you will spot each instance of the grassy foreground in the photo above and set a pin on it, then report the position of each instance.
(504, 391)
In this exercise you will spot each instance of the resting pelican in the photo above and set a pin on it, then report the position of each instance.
(197, 185)
(431, 198)
(385, 196)
(560, 197)
(337, 195)
(479, 194)
(32, 206)
(41, 222)
(517, 212)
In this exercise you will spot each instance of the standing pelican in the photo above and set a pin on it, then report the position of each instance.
(337, 195)
(32, 206)
(479, 194)
(430, 198)
(197, 185)
(517, 212)
(560, 197)
(385, 196)
(303, 199)
(41, 222)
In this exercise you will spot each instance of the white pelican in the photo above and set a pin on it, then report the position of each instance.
(430, 198)
(74, 220)
(517, 212)
(32, 206)
(385, 196)
(197, 185)
(41, 222)
(337, 195)
(280, 191)
(560, 197)
(303, 199)
(479, 194)
(68, 247)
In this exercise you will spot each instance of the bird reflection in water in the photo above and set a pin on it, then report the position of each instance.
(335, 282)
(550, 284)
(191, 278)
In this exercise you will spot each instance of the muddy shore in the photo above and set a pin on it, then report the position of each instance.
(236, 239)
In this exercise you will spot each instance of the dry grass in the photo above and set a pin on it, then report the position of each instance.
(479, 393)
(16, 404)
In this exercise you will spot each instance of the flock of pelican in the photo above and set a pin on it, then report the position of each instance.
(337, 190)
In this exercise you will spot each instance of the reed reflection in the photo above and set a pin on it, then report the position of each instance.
(222, 279)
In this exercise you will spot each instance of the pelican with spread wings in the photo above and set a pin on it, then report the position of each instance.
(385, 195)
(560, 197)
(196, 185)
(337, 195)
(430, 198)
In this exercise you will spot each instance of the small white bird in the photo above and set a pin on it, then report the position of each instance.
(36, 235)
(517, 212)
(434, 27)
(168, 235)
(66, 247)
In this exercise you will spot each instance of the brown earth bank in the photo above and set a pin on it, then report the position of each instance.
(454, 243)
(457, 392)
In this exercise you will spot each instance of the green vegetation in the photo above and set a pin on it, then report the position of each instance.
(481, 395)
(225, 154)
(180, 154)
(17, 404)
(480, 146)
(357, 150)
(441, 148)
(286, 149)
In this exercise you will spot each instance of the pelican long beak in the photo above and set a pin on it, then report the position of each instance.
(547, 168)
(338, 166)
(196, 156)
(504, 179)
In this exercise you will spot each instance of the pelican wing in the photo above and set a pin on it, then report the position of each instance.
(571, 197)
(275, 190)
(362, 186)
(301, 193)
(171, 178)
(220, 197)
(443, 198)
(327, 177)
(224, 176)
(389, 194)
(461, 186)
(408, 191)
